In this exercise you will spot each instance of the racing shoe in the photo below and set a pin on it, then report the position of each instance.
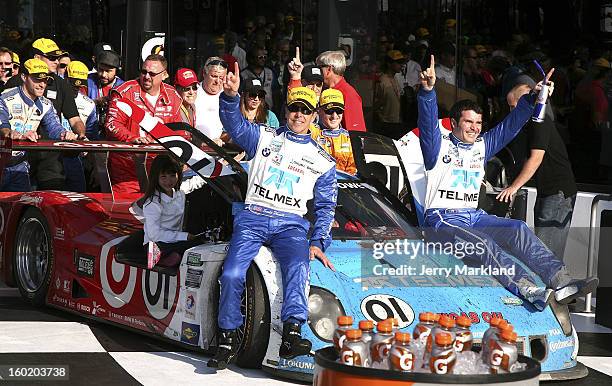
(538, 296)
(575, 289)
(293, 345)
(226, 350)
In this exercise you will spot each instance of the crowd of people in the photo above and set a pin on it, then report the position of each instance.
(300, 107)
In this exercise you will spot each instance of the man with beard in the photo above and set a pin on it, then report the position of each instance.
(153, 96)
(101, 82)
(207, 100)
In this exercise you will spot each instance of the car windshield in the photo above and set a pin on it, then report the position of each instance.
(363, 212)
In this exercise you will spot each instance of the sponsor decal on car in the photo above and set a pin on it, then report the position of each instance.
(58, 283)
(511, 301)
(193, 278)
(66, 287)
(84, 308)
(191, 305)
(97, 309)
(59, 234)
(190, 333)
(194, 259)
(382, 306)
(85, 265)
(295, 364)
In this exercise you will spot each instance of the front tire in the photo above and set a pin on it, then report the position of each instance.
(256, 333)
(33, 258)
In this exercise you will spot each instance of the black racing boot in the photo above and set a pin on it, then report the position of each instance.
(227, 348)
(293, 345)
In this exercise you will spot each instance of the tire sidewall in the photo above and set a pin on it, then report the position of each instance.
(38, 297)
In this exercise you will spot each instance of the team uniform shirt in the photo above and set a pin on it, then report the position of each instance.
(265, 77)
(455, 170)
(337, 143)
(285, 171)
(353, 107)
(121, 127)
(207, 114)
(20, 113)
(87, 112)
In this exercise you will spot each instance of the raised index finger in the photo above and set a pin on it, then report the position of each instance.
(549, 75)
(297, 54)
(236, 70)
(432, 62)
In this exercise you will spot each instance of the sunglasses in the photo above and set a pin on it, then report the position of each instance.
(144, 72)
(260, 95)
(193, 87)
(294, 108)
(317, 83)
(217, 62)
(62, 65)
(334, 110)
(52, 58)
(264, 57)
(16, 66)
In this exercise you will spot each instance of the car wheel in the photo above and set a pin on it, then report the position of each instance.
(33, 257)
(255, 333)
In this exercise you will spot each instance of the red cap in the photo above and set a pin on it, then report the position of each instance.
(185, 77)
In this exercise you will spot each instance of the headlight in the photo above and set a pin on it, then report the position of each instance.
(323, 311)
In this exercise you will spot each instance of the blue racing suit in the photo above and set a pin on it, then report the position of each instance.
(455, 172)
(21, 114)
(285, 171)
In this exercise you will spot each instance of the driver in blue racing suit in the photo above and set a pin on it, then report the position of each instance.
(455, 169)
(286, 170)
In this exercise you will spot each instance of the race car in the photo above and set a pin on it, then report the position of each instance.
(83, 253)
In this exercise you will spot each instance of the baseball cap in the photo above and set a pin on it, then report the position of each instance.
(253, 85)
(15, 58)
(36, 68)
(77, 73)
(332, 98)
(515, 80)
(46, 47)
(311, 73)
(395, 55)
(601, 62)
(302, 95)
(101, 47)
(185, 77)
(109, 58)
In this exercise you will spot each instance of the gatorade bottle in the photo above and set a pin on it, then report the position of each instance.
(493, 323)
(423, 328)
(445, 324)
(443, 355)
(503, 352)
(463, 335)
(380, 345)
(394, 323)
(354, 352)
(401, 357)
(344, 323)
(367, 331)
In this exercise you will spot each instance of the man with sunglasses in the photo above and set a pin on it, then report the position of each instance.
(25, 114)
(153, 96)
(330, 134)
(16, 63)
(257, 70)
(287, 169)
(207, 100)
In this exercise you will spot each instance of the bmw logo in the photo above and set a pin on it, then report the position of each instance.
(265, 151)
(446, 159)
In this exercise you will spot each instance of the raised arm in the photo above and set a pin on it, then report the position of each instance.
(243, 132)
(427, 121)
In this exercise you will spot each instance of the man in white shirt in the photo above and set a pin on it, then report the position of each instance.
(207, 99)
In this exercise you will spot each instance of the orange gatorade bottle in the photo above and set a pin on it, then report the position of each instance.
(380, 345)
(423, 328)
(354, 352)
(443, 356)
(503, 352)
(463, 335)
(367, 331)
(401, 357)
(344, 323)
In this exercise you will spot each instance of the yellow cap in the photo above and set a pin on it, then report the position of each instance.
(15, 57)
(601, 62)
(450, 23)
(219, 41)
(47, 47)
(332, 98)
(395, 55)
(302, 95)
(77, 72)
(36, 68)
